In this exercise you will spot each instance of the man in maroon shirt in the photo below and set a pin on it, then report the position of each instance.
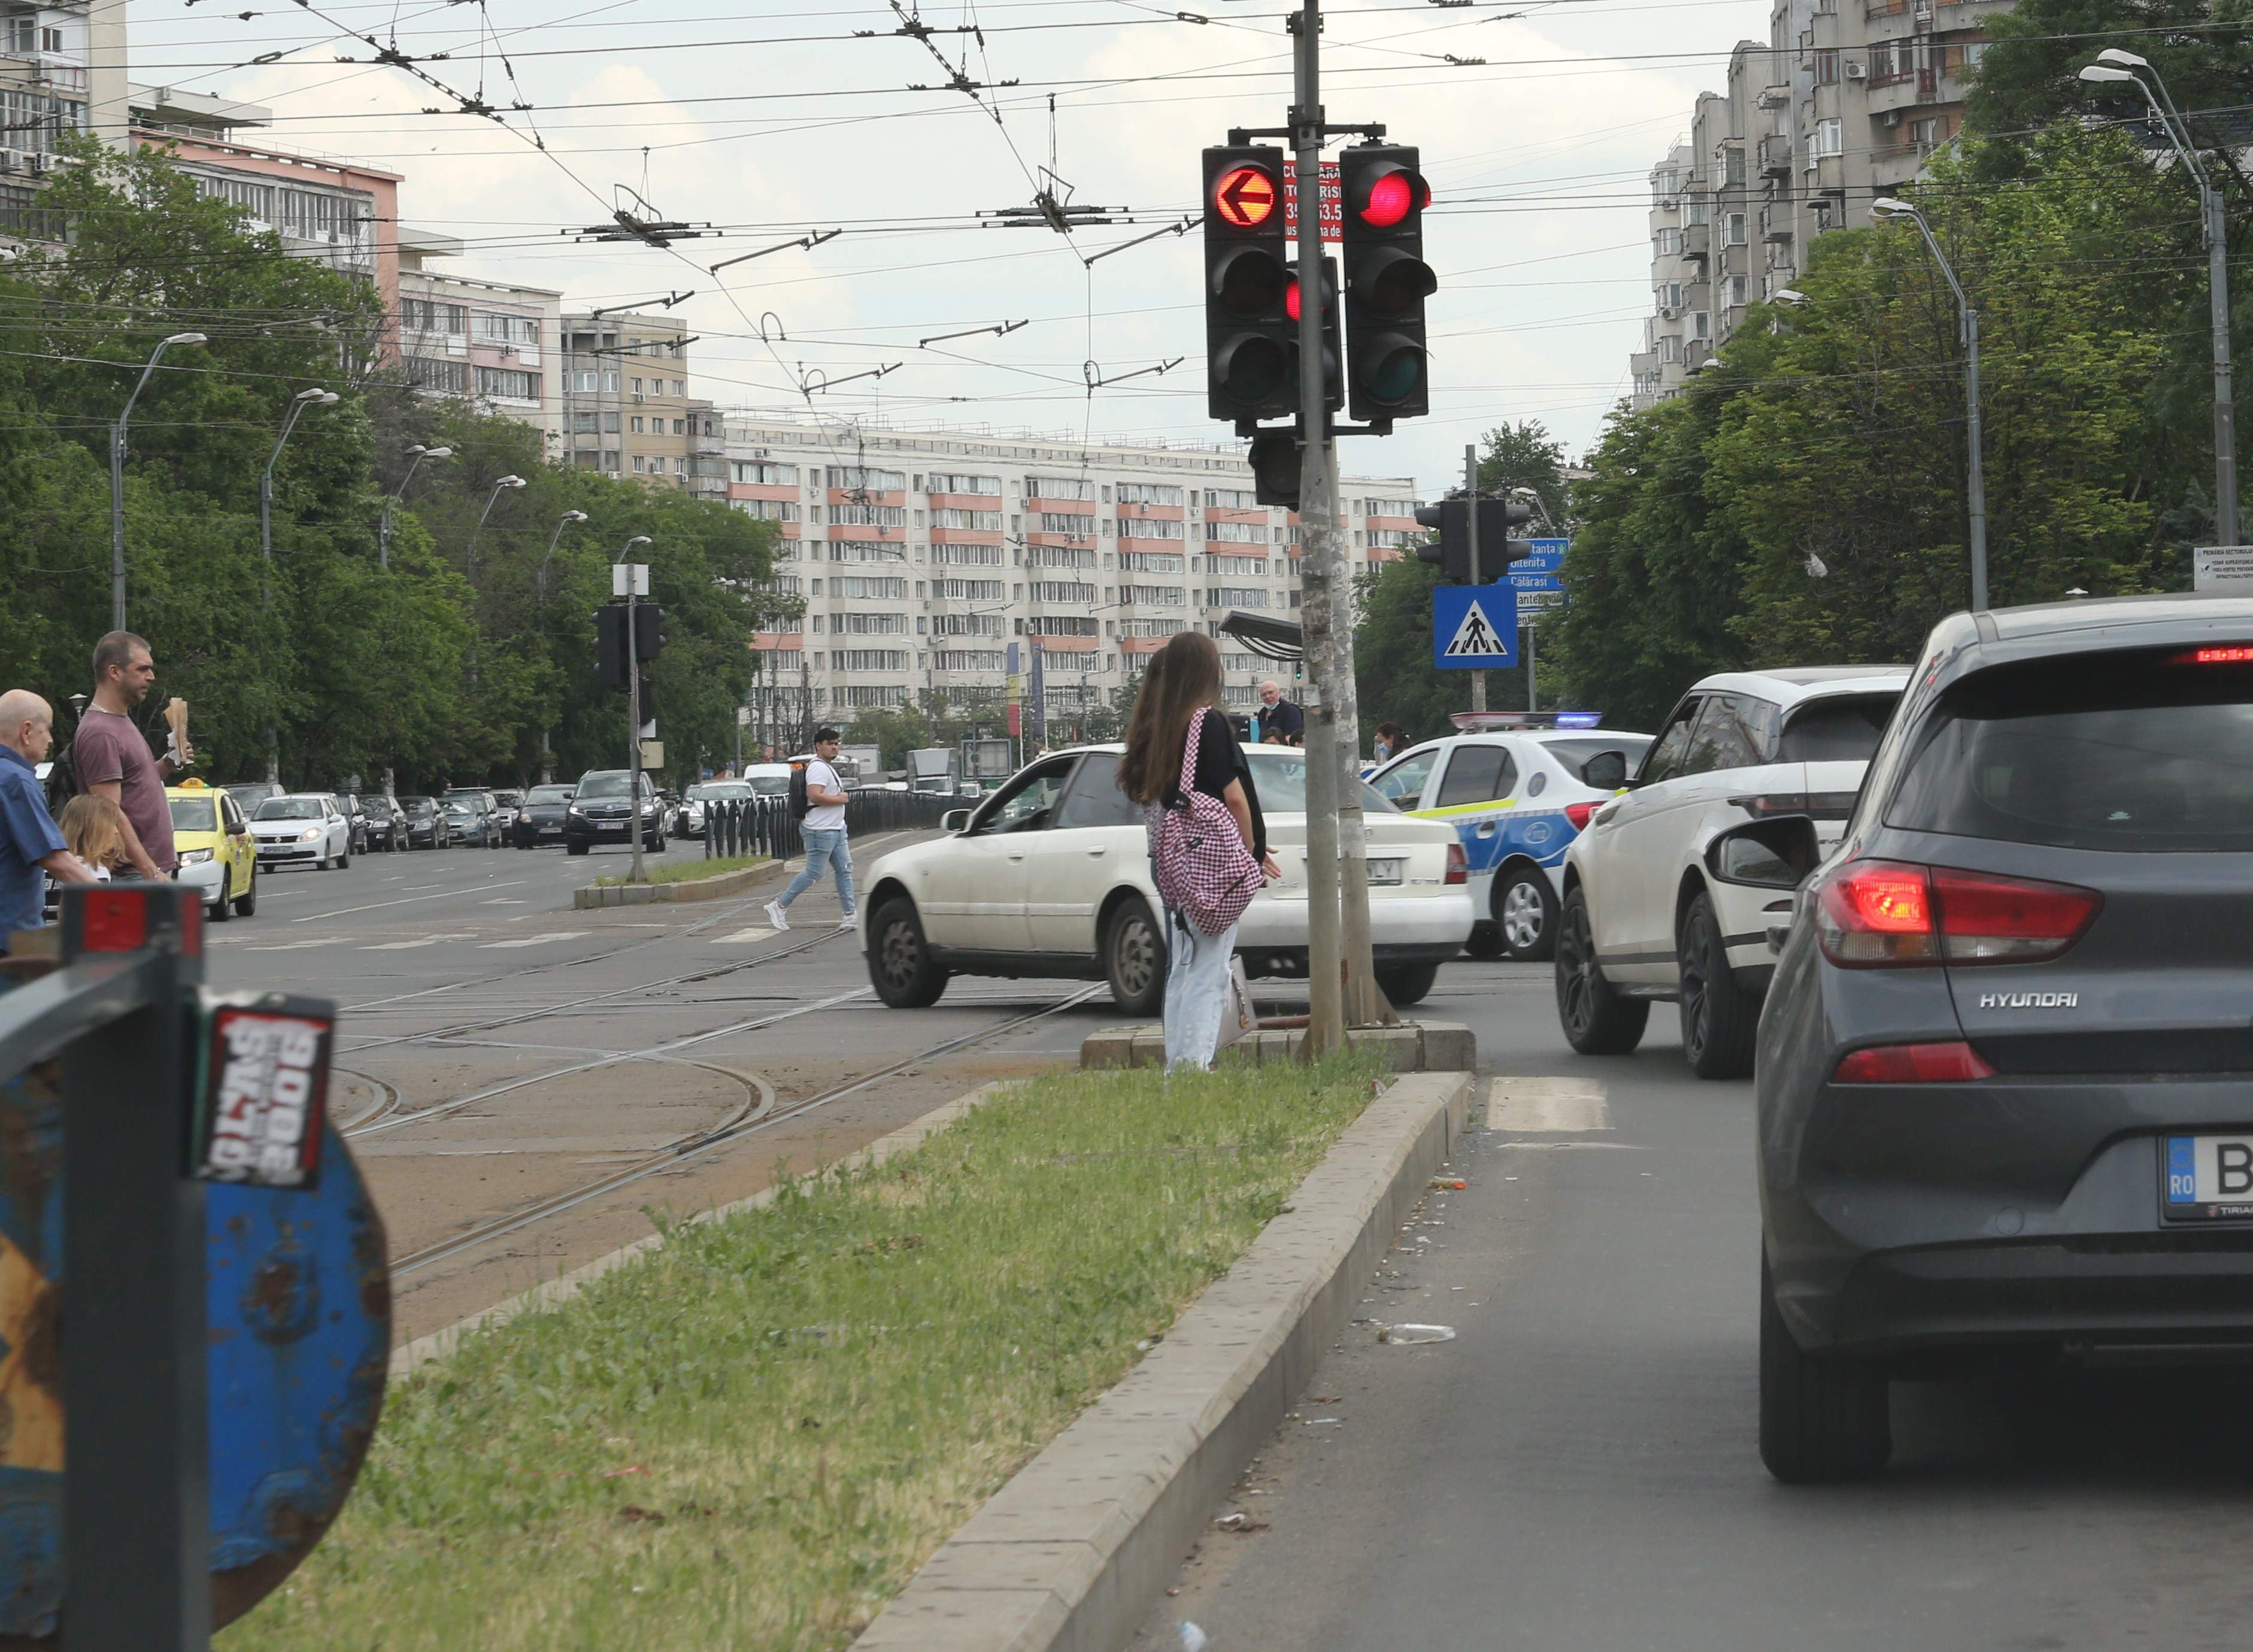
(112, 760)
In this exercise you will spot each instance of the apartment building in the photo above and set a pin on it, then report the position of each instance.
(922, 555)
(1845, 101)
(624, 405)
(490, 342)
(62, 69)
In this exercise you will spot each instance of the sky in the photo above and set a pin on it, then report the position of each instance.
(772, 121)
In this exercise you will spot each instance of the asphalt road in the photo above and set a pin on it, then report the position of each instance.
(1576, 1472)
(499, 1051)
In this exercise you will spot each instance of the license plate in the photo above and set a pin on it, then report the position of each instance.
(2207, 1178)
(1385, 871)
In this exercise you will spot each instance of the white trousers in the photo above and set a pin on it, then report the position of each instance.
(1197, 992)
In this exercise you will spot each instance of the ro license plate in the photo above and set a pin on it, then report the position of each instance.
(1385, 871)
(2207, 1178)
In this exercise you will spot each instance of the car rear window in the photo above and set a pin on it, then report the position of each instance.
(2146, 752)
(1837, 729)
(1573, 754)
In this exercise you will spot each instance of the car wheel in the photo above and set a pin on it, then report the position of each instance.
(1525, 916)
(1134, 959)
(574, 848)
(246, 904)
(1719, 1019)
(344, 860)
(1597, 1020)
(1406, 983)
(1485, 943)
(220, 910)
(900, 966)
(1820, 1419)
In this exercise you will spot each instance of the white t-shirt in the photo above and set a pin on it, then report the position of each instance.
(822, 817)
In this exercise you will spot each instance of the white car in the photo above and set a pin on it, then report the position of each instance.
(1645, 920)
(302, 826)
(1050, 877)
(1516, 802)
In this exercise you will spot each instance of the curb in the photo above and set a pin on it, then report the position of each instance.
(1070, 1555)
(1414, 1047)
(711, 889)
(439, 1343)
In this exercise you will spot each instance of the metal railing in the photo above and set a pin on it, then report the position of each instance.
(763, 825)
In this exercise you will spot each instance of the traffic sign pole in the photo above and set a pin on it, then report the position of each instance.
(1470, 495)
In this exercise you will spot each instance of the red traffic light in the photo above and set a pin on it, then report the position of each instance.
(1392, 196)
(1245, 196)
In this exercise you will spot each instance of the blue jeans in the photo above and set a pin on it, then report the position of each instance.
(823, 848)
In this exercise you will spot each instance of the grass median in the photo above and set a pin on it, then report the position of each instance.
(754, 1438)
(683, 871)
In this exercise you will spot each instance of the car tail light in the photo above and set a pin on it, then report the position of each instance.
(1577, 814)
(1872, 913)
(1458, 865)
(1951, 1063)
(2226, 654)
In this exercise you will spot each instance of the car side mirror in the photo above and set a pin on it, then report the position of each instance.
(1605, 771)
(1774, 853)
(955, 820)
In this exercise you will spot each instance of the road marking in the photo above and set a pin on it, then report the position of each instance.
(299, 947)
(405, 900)
(534, 940)
(744, 938)
(503, 900)
(1547, 1106)
(406, 946)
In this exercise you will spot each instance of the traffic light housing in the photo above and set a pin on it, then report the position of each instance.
(1250, 340)
(1275, 472)
(1451, 552)
(610, 645)
(649, 641)
(1383, 198)
(1333, 337)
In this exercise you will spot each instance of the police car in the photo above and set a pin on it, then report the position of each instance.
(1517, 787)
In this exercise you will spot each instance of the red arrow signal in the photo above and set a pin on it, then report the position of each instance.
(1245, 197)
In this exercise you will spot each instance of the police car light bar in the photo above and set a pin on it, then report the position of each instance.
(1475, 722)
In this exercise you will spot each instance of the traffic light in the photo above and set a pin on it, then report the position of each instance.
(1333, 335)
(1249, 338)
(1384, 195)
(649, 641)
(610, 644)
(1451, 552)
(1274, 461)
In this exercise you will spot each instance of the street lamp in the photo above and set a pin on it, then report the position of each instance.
(2114, 68)
(383, 534)
(118, 478)
(504, 483)
(298, 404)
(540, 587)
(1968, 329)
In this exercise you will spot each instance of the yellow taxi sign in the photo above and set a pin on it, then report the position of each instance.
(190, 784)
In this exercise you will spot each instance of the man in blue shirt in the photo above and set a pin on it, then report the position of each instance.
(29, 842)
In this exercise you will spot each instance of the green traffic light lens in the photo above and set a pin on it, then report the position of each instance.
(1397, 375)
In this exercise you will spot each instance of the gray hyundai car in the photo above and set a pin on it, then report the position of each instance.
(2004, 1070)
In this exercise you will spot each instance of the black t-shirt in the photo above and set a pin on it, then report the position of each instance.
(1220, 760)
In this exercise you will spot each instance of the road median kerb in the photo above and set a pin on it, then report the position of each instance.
(1413, 1047)
(1070, 1555)
(711, 889)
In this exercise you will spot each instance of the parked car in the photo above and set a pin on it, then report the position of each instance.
(218, 856)
(1516, 800)
(303, 828)
(690, 823)
(471, 820)
(1050, 877)
(425, 823)
(508, 804)
(386, 826)
(355, 818)
(248, 794)
(2000, 1083)
(540, 818)
(1643, 920)
(601, 812)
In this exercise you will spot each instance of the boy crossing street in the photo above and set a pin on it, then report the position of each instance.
(824, 831)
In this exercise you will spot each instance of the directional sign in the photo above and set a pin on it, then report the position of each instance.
(1543, 570)
(1333, 201)
(1245, 197)
(1473, 627)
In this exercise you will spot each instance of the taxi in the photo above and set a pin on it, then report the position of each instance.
(218, 856)
(1517, 787)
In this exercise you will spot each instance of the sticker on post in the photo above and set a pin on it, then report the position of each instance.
(262, 1089)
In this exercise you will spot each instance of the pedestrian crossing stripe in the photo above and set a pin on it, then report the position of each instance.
(1475, 635)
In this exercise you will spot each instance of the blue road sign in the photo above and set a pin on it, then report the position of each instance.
(1475, 627)
(1542, 571)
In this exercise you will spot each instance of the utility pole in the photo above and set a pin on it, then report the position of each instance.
(634, 728)
(1471, 511)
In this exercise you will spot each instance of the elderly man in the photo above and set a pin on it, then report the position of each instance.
(1279, 716)
(29, 842)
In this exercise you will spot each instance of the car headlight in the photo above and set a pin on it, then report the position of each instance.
(312, 836)
(195, 857)
(575, 811)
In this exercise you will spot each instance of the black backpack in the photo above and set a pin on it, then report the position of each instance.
(62, 781)
(799, 803)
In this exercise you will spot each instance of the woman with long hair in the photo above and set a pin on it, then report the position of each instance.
(94, 828)
(1178, 698)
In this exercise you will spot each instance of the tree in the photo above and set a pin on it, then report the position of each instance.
(1524, 454)
(1394, 678)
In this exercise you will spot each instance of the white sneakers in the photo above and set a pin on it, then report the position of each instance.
(850, 921)
(777, 916)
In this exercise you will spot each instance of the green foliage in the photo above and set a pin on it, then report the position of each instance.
(1524, 455)
(2028, 79)
(436, 667)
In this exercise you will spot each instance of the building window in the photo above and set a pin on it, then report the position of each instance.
(1701, 323)
(861, 478)
(634, 424)
(508, 385)
(1737, 292)
(441, 376)
(767, 474)
(611, 427)
(939, 483)
(1830, 137)
(1736, 229)
(1826, 66)
(1148, 494)
(426, 315)
(1669, 243)
(582, 423)
(637, 462)
(1051, 487)
(635, 386)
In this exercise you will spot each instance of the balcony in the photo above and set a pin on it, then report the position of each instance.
(1774, 97)
(1698, 240)
(1776, 155)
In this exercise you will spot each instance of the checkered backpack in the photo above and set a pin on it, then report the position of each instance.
(1204, 870)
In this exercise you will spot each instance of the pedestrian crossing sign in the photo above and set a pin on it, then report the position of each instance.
(1475, 627)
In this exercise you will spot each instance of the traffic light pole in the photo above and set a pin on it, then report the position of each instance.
(633, 732)
(1341, 989)
(1471, 512)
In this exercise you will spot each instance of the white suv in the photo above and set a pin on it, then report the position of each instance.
(1643, 919)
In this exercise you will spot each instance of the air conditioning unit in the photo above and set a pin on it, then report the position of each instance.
(1858, 70)
(10, 161)
(1893, 117)
(638, 397)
